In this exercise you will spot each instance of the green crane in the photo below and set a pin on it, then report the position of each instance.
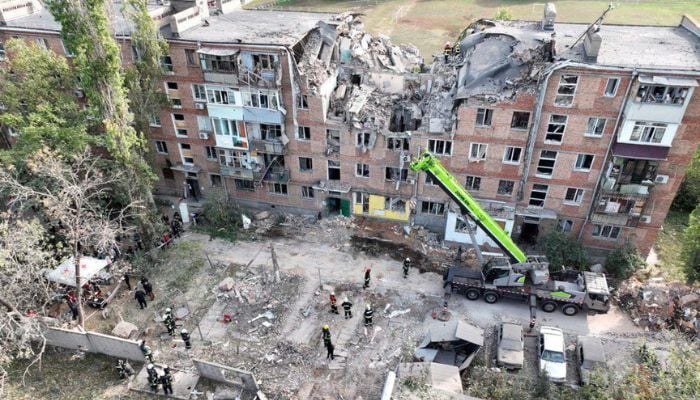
(432, 166)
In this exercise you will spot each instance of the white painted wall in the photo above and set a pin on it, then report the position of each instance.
(481, 237)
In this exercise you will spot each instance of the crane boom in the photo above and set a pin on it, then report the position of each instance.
(432, 166)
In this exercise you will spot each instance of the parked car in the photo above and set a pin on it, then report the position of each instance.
(551, 353)
(509, 352)
(591, 357)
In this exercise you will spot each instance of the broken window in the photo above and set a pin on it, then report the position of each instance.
(363, 139)
(356, 79)
(303, 133)
(270, 131)
(333, 170)
(596, 126)
(473, 183)
(583, 162)
(545, 166)
(520, 120)
(396, 143)
(432, 207)
(477, 151)
(178, 117)
(538, 195)
(565, 225)
(306, 164)
(244, 185)
(566, 90)
(463, 225)
(332, 141)
(362, 170)
(154, 120)
(175, 103)
(429, 180)
(186, 153)
(261, 99)
(166, 63)
(231, 158)
(224, 64)
(215, 180)
(168, 174)
(556, 128)
(362, 199)
(611, 87)
(484, 116)
(505, 187)
(661, 94)
(395, 174)
(277, 188)
(210, 152)
(440, 147)
(180, 132)
(394, 204)
(307, 192)
(574, 196)
(264, 61)
(648, 132)
(220, 95)
(191, 58)
(161, 147)
(511, 155)
(171, 85)
(606, 231)
(224, 126)
(302, 102)
(402, 120)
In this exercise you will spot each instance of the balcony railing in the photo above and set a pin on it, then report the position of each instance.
(239, 172)
(278, 175)
(268, 146)
(265, 78)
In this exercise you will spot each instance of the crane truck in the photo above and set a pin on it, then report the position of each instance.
(515, 275)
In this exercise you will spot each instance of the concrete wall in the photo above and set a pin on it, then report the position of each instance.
(222, 373)
(95, 343)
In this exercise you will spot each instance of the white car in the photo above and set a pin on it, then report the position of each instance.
(551, 353)
(509, 353)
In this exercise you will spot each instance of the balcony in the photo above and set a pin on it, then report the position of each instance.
(266, 78)
(268, 146)
(277, 174)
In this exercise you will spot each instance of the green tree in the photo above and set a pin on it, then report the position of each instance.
(623, 261)
(37, 91)
(688, 195)
(563, 250)
(691, 246)
(503, 14)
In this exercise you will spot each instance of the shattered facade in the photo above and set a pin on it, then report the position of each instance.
(587, 129)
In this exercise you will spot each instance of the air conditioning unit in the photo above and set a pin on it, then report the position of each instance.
(661, 179)
(645, 219)
(200, 106)
(203, 135)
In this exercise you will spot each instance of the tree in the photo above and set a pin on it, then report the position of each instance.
(624, 261)
(74, 198)
(503, 14)
(143, 79)
(691, 246)
(37, 92)
(563, 250)
(222, 217)
(688, 195)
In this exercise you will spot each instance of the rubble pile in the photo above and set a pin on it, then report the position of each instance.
(655, 305)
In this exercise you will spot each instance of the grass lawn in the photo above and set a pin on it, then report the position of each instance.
(669, 245)
(428, 24)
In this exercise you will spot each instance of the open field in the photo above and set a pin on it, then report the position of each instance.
(428, 24)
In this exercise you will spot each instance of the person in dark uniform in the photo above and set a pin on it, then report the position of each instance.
(326, 332)
(140, 296)
(186, 338)
(406, 266)
(146, 351)
(153, 378)
(330, 349)
(126, 280)
(368, 272)
(148, 288)
(368, 315)
(347, 307)
(167, 380)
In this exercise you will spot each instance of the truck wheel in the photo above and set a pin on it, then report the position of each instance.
(472, 294)
(549, 306)
(490, 297)
(569, 310)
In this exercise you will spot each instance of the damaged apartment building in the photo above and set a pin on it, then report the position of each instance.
(583, 128)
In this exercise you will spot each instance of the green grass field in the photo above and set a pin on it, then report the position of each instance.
(428, 24)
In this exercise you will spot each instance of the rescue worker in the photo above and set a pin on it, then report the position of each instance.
(140, 296)
(334, 304)
(347, 307)
(368, 271)
(148, 288)
(447, 51)
(330, 349)
(406, 266)
(167, 380)
(326, 332)
(186, 338)
(146, 351)
(124, 368)
(169, 322)
(153, 379)
(368, 315)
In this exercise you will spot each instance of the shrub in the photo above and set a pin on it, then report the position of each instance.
(503, 14)
(623, 261)
(222, 217)
(564, 250)
(691, 246)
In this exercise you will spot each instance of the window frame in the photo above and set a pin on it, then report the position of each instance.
(309, 192)
(584, 157)
(191, 57)
(307, 160)
(512, 187)
(475, 185)
(277, 189)
(335, 166)
(242, 185)
(565, 225)
(405, 144)
(184, 157)
(538, 172)
(588, 133)
(302, 101)
(578, 196)
(161, 146)
(648, 129)
(615, 79)
(199, 90)
(432, 207)
(552, 128)
(434, 146)
(211, 153)
(307, 133)
(362, 139)
(512, 149)
(478, 146)
(484, 117)
(538, 188)
(599, 232)
(527, 122)
(362, 170)
(168, 67)
(211, 180)
(560, 95)
(403, 174)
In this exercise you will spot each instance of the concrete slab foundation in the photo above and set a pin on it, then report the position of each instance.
(184, 382)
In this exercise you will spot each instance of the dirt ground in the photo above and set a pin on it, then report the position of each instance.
(275, 328)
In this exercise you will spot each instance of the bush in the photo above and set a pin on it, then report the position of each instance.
(623, 261)
(503, 14)
(564, 250)
(221, 216)
(691, 246)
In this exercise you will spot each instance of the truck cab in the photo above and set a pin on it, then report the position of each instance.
(497, 273)
(597, 292)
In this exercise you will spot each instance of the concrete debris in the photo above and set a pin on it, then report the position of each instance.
(125, 330)
(397, 313)
(227, 284)
(262, 215)
(266, 314)
(246, 221)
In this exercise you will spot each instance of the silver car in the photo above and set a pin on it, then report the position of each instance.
(509, 353)
(591, 358)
